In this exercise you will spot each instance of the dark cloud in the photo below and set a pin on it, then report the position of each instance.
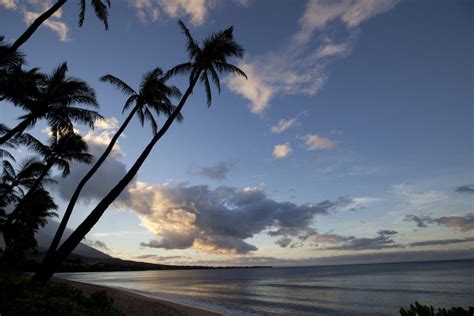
(218, 220)
(216, 172)
(384, 239)
(462, 223)
(469, 189)
(111, 171)
(97, 244)
(441, 242)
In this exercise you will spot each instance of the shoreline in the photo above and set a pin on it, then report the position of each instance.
(132, 303)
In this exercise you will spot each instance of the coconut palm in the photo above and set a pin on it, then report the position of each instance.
(59, 152)
(101, 9)
(153, 96)
(211, 59)
(54, 97)
(9, 58)
(14, 182)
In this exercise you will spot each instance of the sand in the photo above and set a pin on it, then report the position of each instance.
(134, 304)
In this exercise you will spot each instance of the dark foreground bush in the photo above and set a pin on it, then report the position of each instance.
(18, 296)
(424, 310)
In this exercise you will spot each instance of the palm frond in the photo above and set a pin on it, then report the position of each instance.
(119, 84)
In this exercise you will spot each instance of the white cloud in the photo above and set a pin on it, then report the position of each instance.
(9, 4)
(417, 199)
(253, 88)
(282, 150)
(299, 66)
(320, 13)
(196, 10)
(316, 142)
(283, 125)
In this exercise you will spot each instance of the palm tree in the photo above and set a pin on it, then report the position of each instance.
(14, 182)
(53, 97)
(9, 58)
(204, 60)
(60, 152)
(153, 96)
(100, 7)
(20, 236)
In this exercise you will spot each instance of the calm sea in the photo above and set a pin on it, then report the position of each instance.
(373, 289)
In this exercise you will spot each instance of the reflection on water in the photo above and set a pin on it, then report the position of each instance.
(376, 289)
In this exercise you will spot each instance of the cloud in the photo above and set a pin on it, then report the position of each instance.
(54, 25)
(462, 223)
(299, 65)
(196, 10)
(316, 142)
(417, 199)
(469, 189)
(319, 13)
(9, 4)
(283, 125)
(158, 258)
(216, 172)
(441, 242)
(97, 244)
(254, 88)
(384, 239)
(282, 150)
(216, 220)
(111, 171)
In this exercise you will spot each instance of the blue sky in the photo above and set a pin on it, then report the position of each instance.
(350, 137)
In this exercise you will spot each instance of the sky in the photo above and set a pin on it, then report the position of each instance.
(350, 141)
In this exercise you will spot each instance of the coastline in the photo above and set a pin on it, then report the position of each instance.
(131, 303)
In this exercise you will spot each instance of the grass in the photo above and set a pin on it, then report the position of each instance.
(18, 296)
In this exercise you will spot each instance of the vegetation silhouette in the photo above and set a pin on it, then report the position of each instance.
(101, 9)
(52, 97)
(211, 59)
(153, 96)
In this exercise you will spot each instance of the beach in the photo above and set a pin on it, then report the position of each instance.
(134, 304)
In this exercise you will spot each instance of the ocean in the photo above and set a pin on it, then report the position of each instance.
(369, 289)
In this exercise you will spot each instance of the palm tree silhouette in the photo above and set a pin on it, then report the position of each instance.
(9, 58)
(60, 151)
(212, 56)
(52, 97)
(100, 7)
(153, 96)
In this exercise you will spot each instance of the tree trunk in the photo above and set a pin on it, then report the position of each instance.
(36, 23)
(77, 192)
(47, 271)
(17, 210)
(14, 131)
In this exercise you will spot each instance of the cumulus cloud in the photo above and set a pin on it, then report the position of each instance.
(462, 223)
(299, 66)
(31, 9)
(196, 10)
(217, 172)
(111, 171)
(282, 150)
(216, 220)
(469, 189)
(316, 142)
(283, 125)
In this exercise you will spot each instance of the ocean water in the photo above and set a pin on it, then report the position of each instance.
(372, 289)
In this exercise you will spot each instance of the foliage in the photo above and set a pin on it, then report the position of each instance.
(424, 310)
(18, 296)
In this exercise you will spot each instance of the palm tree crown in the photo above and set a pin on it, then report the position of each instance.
(210, 59)
(154, 95)
(52, 97)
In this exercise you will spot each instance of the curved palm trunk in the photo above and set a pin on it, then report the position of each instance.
(36, 23)
(20, 128)
(14, 214)
(77, 192)
(46, 271)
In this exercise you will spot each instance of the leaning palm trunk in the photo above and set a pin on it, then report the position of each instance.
(17, 130)
(77, 192)
(36, 23)
(16, 212)
(48, 268)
